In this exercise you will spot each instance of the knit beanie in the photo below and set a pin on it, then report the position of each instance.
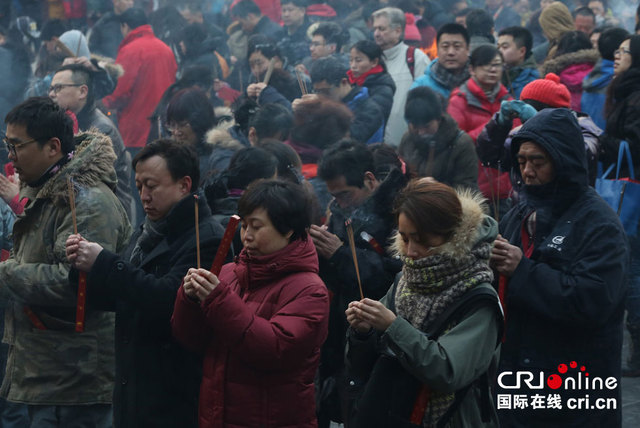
(548, 91)
(411, 32)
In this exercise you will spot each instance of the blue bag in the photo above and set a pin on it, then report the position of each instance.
(622, 194)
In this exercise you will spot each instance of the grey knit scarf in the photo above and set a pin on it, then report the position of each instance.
(446, 78)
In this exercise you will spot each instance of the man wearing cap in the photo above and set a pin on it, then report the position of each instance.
(389, 28)
(563, 300)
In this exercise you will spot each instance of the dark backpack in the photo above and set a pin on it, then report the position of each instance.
(411, 60)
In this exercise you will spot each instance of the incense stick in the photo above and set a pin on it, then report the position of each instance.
(303, 87)
(225, 244)
(195, 198)
(352, 244)
(72, 203)
(267, 77)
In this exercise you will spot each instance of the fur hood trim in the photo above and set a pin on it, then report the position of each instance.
(219, 137)
(91, 164)
(559, 63)
(468, 232)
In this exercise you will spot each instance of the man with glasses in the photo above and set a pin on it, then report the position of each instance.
(72, 89)
(60, 364)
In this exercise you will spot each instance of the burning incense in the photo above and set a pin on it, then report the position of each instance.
(195, 198)
(72, 203)
(267, 77)
(352, 244)
(303, 87)
(225, 244)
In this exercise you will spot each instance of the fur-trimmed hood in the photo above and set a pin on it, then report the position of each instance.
(91, 164)
(475, 228)
(559, 63)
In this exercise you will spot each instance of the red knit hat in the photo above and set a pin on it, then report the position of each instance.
(411, 32)
(548, 91)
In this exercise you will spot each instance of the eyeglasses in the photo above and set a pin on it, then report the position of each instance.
(493, 66)
(57, 88)
(12, 147)
(621, 51)
(316, 44)
(174, 128)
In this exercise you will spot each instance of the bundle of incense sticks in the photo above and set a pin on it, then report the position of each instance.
(267, 76)
(352, 244)
(195, 197)
(303, 86)
(225, 244)
(82, 277)
(72, 203)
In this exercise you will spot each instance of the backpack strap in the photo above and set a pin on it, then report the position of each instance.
(411, 60)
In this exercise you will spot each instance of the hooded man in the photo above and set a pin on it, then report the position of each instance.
(563, 299)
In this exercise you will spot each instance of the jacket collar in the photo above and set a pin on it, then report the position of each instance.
(137, 33)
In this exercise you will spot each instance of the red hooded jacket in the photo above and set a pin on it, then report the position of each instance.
(260, 331)
(470, 107)
(149, 69)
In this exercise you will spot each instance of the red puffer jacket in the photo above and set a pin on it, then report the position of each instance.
(470, 107)
(260, 330)
(149, 69)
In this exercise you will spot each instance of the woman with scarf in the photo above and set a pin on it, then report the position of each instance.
(367, 69)
(259, 323)
(622, 109)
(422, 352)
(473, 105)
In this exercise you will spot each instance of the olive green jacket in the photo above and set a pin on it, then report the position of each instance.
(58, 366)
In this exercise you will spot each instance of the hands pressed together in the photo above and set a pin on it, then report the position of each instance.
(504, 256)
(81, 253)
(326, 242)
(199, 283)
(9, 187)
(367, 314)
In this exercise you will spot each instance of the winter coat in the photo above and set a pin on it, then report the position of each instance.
(260, 330)
(295, 47)
(427, 80)
(381, 90)
(91, 117)
(516, 78)
(448, 363)
(203, 55)
(223, 147)
(157, 381)
(455, 162)
(105, 36)
(395, 59)
(623, 122)
(149, 69)
(566, 301)
(58, 366)
(572, 68)
(594, 91)
(368, 120)
(470, 107)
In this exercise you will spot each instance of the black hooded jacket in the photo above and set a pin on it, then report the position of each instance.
(566, 302)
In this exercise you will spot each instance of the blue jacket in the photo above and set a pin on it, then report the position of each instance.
(428, 81)
(594, 92)
(368, 121)
(566, 301)
(527, 73)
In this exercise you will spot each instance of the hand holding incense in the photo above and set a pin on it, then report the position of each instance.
(195, 197)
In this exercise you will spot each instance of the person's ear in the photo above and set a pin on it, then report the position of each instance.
(370, 180)
(185, 184)
(288, 235)
(53, 147)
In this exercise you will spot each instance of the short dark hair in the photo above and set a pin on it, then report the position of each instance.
(287, 204)
(43, 119)
(347, 158)
(193, 106)
(264, 45)
(385, 159)
(332, 33)
(271, 120)
(289, 163)
(423, 105)
(584, 11)
(453, 28)
(329, 69)
(244, 8)
(521, 37)
(320, 122)
(573, 41)
(480, 23)
(192, 36)
(80, 75)
(248, 165)
(298, 3)
(182, 160)
(133, 17)
(609, 41)
(483, 55)
(52, 28)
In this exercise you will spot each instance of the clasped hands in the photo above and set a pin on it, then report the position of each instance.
(367, 314)
(81, 253)
(199, 283)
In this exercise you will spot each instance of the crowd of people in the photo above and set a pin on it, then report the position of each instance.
(420, 239)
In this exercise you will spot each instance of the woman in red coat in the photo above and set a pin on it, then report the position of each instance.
(261, 323)
(472, 105)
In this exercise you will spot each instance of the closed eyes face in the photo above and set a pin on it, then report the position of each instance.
(413, 245)
(259, 235)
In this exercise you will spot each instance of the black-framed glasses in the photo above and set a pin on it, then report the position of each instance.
(57, 88)
(621, 51)
(11, 147)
